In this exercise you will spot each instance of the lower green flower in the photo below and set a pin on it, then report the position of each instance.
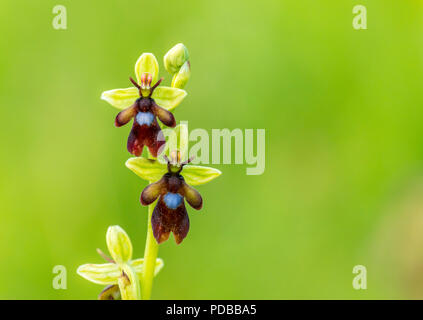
(121, 270)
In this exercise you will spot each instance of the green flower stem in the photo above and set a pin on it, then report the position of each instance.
(150, 256)
(150, 253)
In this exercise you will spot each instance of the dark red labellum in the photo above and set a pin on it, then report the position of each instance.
(145, 129)
(170, 214)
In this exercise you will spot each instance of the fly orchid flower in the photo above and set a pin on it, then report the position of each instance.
(170, 214)
(121, 273)
(145, 102)
(171, 183)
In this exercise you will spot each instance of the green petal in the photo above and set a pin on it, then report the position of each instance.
(121, 98)
(137, 264)
(119, 244)
(196, 175)
(129, 285)
(168, 98)
(150, 170)
(147, 62)
(105, 274)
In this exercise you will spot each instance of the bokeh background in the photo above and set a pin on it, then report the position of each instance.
(342, 110)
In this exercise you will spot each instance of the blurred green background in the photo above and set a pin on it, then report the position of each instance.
(342, 111)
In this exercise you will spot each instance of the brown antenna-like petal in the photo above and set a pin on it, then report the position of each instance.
(155, 86)
(134, 83)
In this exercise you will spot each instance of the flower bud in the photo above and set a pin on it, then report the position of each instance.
(175, 58)
(181, 78)
(119, 244)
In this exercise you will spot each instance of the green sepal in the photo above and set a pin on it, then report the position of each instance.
(105, 274)
(147, 63)
(197, 175)
(147, 169)
(168, 97)
(121, 98)
(119, 244)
